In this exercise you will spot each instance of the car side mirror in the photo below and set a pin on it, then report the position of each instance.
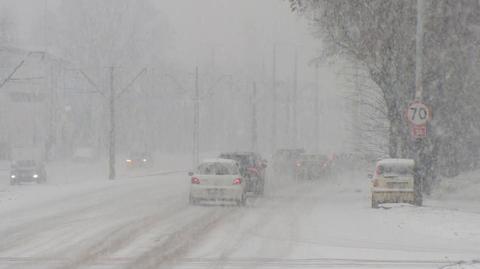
(190, 173)
(370, 176)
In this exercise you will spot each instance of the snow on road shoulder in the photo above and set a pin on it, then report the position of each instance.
(458, 193)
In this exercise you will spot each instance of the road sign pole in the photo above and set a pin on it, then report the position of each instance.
(419, 52)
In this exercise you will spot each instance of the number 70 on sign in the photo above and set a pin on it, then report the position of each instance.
(418, 113)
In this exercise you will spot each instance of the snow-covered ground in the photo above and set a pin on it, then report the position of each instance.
(86, 221)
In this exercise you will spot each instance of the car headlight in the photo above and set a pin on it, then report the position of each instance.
(144, 160)
(129, 161)
(35, 176)
(13, 176)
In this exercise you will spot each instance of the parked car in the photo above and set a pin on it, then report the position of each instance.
(27, 171)
(252, 168)
(312, 166)
(217, 180)
(394, 182)
(139, 160)
(284, 162)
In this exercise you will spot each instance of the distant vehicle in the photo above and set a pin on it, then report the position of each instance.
(312, 166)
(394, 182)
(84, 154)
(139, 160)
(252, 168)
(217, 180)
(284, 161)
(27, 171)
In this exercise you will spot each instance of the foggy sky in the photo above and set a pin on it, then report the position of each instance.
(231, 36)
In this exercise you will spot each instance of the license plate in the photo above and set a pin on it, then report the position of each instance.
(397, 185)
(212, 191)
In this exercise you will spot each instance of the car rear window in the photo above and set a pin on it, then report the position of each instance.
(217, 169)
(25, 163)
(243, 160)
(395, 170)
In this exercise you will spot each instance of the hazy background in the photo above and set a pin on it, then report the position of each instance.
(231, 42)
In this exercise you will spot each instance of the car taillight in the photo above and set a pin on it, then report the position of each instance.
(375, 182)
(237, 181)
(195, 180)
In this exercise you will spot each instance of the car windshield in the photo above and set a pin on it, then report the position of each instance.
(25, 163)
(217, 169)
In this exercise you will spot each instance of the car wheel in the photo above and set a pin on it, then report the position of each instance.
(260, 188)
(242, 201)
(192, 200)
(374, 203)
(418, 201)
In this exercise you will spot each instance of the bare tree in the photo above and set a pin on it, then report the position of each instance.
(380, 35)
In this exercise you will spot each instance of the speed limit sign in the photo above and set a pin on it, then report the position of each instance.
(418, 113)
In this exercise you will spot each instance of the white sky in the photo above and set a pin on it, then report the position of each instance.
(237, 35)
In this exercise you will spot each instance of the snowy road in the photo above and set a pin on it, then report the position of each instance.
(147, 223)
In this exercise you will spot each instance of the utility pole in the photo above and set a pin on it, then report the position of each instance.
(356, 111)
(317, 111)
(419, 143)
(254, 117)
(196, 122)
(112, 96)
(111, 149)
(274, 99)
(419, 52)
(294, 99)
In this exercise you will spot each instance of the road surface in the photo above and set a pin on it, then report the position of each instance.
(146, 222)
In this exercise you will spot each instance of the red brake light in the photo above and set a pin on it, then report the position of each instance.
(237, 181)
(195, 180)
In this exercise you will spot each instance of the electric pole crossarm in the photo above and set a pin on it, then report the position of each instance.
(9, 77)
(124, 90)
(93, 84)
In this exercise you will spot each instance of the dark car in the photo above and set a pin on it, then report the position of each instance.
(284, 161)
(27, 171)
(139, 160)
(252, 168)
(312, 166)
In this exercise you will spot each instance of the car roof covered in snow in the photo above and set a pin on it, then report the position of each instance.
(403, 162)
(219, 160)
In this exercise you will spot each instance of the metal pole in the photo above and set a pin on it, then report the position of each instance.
(419, 52)
(111, 150)
(356, 111)
(419, 145)
(254, 117)
(294, 99)
(274, 99)
(196, 122)
(317, 111)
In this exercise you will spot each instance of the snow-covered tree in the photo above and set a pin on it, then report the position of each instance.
(380, 35)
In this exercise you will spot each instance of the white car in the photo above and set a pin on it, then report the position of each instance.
(217, 180)
(394, 182)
